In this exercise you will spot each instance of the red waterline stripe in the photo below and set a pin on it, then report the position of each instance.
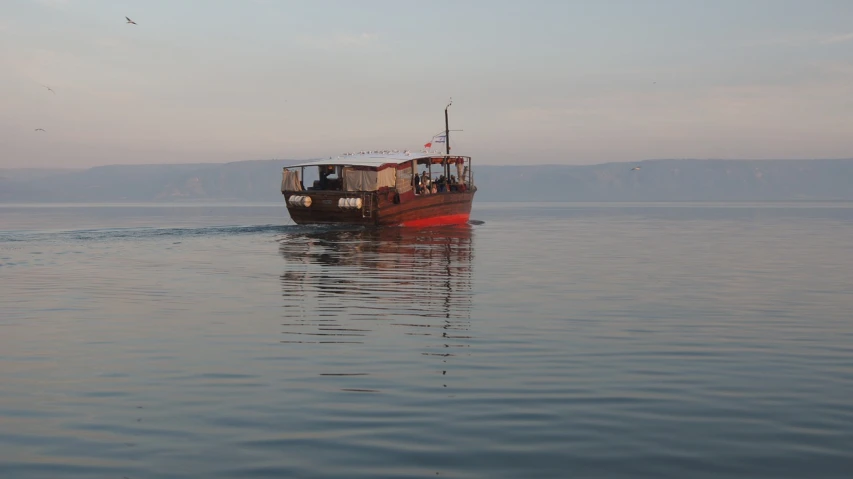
(457, 219)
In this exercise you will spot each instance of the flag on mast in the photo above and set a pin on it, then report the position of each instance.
(440, 138)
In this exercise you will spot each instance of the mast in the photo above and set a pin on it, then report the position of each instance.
(447, 139)
(447, 128)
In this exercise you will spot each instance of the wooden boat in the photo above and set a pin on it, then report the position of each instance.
(383, 188)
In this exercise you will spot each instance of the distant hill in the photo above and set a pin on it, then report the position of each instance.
(657, 180)
(672, 180)
(28, 174)
(239, 181)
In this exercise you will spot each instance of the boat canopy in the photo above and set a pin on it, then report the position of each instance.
(373, 170)
(375, 159)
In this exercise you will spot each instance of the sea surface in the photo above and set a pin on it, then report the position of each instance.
(543, 340)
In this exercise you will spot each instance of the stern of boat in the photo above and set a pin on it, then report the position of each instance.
(331, 207)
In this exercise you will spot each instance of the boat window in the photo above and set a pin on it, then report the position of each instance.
(330, 178)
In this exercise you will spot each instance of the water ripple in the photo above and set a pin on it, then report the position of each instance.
(544, 341)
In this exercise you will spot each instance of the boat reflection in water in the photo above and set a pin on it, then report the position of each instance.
(363, 300)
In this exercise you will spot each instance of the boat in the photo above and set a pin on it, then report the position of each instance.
(383, 188)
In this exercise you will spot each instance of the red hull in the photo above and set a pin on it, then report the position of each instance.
(456, 219)
(380, 208)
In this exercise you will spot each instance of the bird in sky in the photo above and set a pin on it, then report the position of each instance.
(49, 89)
(635, 168)
(130, 21)
(40, 129)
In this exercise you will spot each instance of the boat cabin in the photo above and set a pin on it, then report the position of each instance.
(403, 172)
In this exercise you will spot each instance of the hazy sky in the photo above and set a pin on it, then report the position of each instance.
(566, 82)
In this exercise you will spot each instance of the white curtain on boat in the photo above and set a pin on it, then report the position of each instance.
(360, 180)
(404, 179)
(369, 180)
(387, 177)
(290, 181)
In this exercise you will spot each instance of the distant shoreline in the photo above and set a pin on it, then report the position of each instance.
(259, 181)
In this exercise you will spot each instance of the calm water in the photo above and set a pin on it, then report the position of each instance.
(665, 341)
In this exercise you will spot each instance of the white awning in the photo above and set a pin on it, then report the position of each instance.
(374, 160)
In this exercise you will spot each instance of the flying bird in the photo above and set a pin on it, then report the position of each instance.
(40, 129)
(635, 168)
(130, 21)
(49, 89)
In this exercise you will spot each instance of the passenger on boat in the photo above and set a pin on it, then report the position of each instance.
(442, 184)
(417, 182)
(325, 171)
(453, 184)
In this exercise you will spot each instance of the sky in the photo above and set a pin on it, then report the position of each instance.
(532, 82)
